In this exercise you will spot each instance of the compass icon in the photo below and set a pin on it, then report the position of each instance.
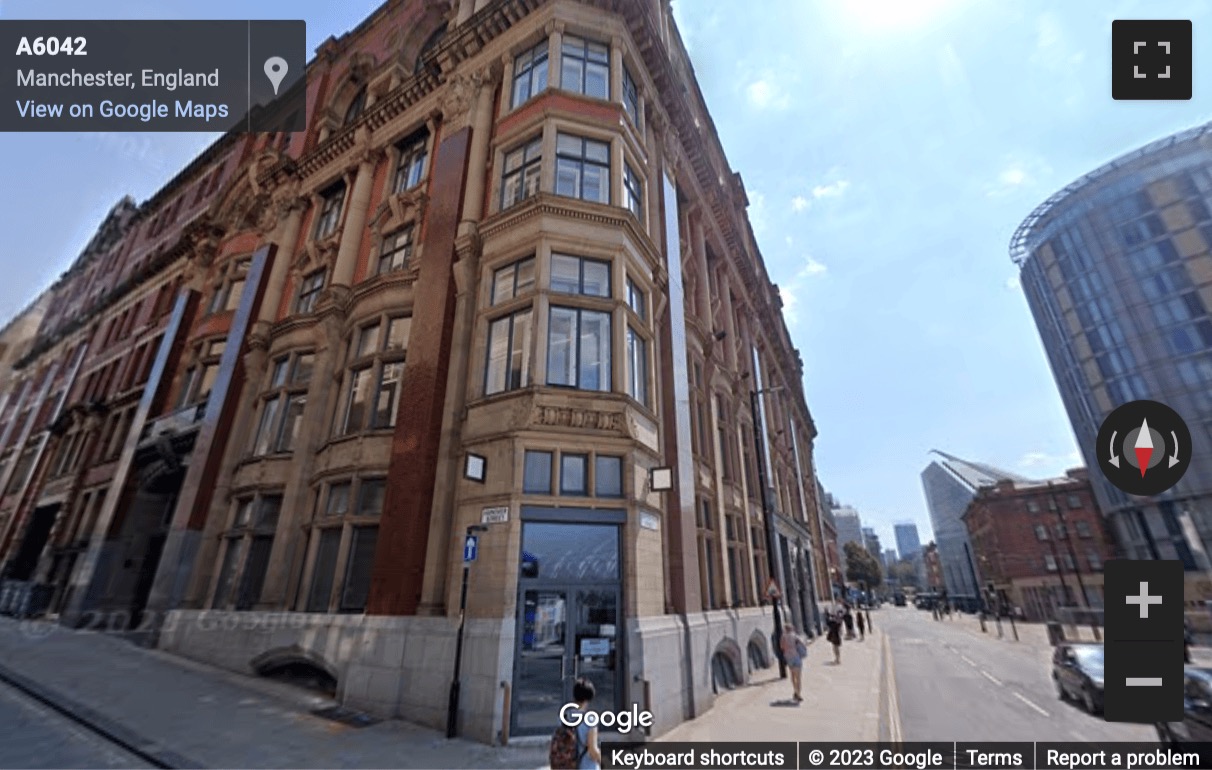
(1144, 448)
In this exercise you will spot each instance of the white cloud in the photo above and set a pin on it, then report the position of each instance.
(811, 267)
(1046, 460)
(1017, 174)
(789, 292)
(799, 203)
(764, 93)
(831, 190)
(757, 211)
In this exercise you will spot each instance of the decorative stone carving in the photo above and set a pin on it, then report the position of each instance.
(337, 297)
(461, 92)
(318, 254)
(566, 417)
(259, 337)
(361, 65)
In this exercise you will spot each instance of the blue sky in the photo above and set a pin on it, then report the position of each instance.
(889, 148)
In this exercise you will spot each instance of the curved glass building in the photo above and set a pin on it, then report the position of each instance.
(1118, 274)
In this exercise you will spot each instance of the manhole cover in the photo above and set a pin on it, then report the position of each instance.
(346, 716)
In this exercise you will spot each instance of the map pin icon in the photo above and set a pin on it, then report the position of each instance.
(275, 70)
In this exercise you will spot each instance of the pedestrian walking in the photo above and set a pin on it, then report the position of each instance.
(794, 652)
(834, 635)
(862, 627)
(870, 625)
(848, 619)
(576, 748)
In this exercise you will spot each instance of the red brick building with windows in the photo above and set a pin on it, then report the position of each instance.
(1040, 544)
(504, 275)
(934, 568)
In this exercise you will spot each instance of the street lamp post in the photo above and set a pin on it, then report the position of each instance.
(771, 562)
(452, 709)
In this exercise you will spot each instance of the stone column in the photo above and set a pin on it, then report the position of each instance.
(703, 284)
(729, 321)
(355, 217)
(555, 42)
(286, 235)
(616, 70)
(477, 172)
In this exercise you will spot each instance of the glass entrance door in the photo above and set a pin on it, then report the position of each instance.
(568, 622)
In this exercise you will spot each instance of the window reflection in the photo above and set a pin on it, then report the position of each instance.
(570, 552)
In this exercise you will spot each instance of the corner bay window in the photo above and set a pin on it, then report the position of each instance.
(585, 67)
(582, 168)
(631, 98)
(282, 408)
(520, 178)
(633, 190)
(578, 348)
(529, 73)
(539, 470)
(509, 336)
(345, 532)
(370, 397)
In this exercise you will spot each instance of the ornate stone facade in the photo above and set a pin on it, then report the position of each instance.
(323, 356)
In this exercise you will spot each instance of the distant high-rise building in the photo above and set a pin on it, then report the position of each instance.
(1115, 268)
(950, 484)
(907, 541)
(871, 542)
(849, 527)
(889, 557)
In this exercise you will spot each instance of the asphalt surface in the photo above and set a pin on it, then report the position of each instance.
(34, 735)
(955, 685)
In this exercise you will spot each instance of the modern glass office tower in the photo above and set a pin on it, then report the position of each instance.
(1117, 271)
(950, 484)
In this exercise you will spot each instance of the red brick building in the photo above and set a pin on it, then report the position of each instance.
(1042, 544)
(934, 567)
(504, 275)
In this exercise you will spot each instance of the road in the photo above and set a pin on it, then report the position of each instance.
(37, 736)
(953, 684)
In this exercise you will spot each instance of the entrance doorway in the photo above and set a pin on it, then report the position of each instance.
(569, 621)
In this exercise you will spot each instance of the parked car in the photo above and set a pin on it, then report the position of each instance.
(1077, 671)
(1196, 726)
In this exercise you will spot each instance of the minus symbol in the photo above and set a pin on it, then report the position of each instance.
(1143, 681)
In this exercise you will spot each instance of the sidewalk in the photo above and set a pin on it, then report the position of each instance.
(841, 703)
(192, 715)
(187, 714)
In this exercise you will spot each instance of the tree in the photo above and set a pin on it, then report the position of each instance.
(905, 572)
(861, 566)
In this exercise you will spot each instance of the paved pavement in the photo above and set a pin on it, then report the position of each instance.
(168, 711)
(189, 715)
(38, 736)
(841, 703)
(956, 684)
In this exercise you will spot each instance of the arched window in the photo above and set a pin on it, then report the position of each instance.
(356, 106)
(427, 49)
